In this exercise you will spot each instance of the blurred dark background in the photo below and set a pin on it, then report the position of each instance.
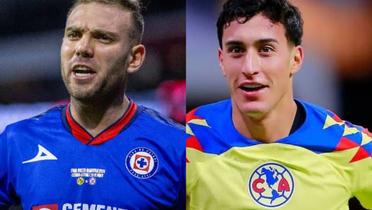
(31, 33)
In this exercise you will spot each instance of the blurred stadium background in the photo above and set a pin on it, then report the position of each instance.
(30, 37)
(337, 70)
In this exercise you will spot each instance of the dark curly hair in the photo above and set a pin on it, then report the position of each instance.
(276, 10)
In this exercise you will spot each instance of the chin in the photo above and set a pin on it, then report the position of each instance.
(82, 94)
(253, 109)
(81, 90)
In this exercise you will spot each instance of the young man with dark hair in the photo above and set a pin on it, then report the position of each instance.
(102, 150)
(263, 149)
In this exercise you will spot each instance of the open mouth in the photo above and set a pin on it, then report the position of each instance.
(82, 71)
(252, 87)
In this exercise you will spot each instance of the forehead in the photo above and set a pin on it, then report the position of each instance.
(99, 16)
(257, 28)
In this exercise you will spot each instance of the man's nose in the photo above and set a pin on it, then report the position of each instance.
(251, 63)
(84, 47)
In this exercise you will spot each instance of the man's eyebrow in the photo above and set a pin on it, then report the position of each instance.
(94, 31)
(74, 28)
(233, 43)
(109, 33)
(260, 41)
(264, 41)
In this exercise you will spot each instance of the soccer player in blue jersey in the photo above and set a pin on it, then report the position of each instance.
(263, 149)
(102, 150)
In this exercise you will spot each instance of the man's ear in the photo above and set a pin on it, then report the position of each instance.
(136, 58)
(220, 61)
(296, 59)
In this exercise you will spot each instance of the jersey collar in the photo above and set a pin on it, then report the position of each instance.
(110, 132)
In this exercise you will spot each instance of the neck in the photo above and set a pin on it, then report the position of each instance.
(97, 116)
(269, 127)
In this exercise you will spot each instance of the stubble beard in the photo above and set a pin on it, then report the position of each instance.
(79, 92)
(97, 93)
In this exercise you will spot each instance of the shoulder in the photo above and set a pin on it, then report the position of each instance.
(209, 125)
(152, 125)
(313, 109)
(44, 120)
(20, 138)
(153, 118)
(209, 110)
(328, 121)
(161, 132)
(208, 116)
(215, 115)
(352, 149)
(331, 133)
(327, 117)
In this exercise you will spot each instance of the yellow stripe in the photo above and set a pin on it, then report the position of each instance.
(199, 122)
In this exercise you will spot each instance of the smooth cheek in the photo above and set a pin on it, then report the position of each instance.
(278, 76)
(232, 72)
(273, 69)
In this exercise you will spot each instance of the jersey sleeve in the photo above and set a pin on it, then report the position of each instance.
(192, 144)
(195, 155)
(5, 187)
(362, 172)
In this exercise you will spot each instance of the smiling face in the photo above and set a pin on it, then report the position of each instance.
(258, 63)
(96, 52)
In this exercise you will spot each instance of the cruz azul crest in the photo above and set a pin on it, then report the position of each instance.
(141, 163)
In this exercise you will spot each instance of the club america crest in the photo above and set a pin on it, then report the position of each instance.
(271, 185)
